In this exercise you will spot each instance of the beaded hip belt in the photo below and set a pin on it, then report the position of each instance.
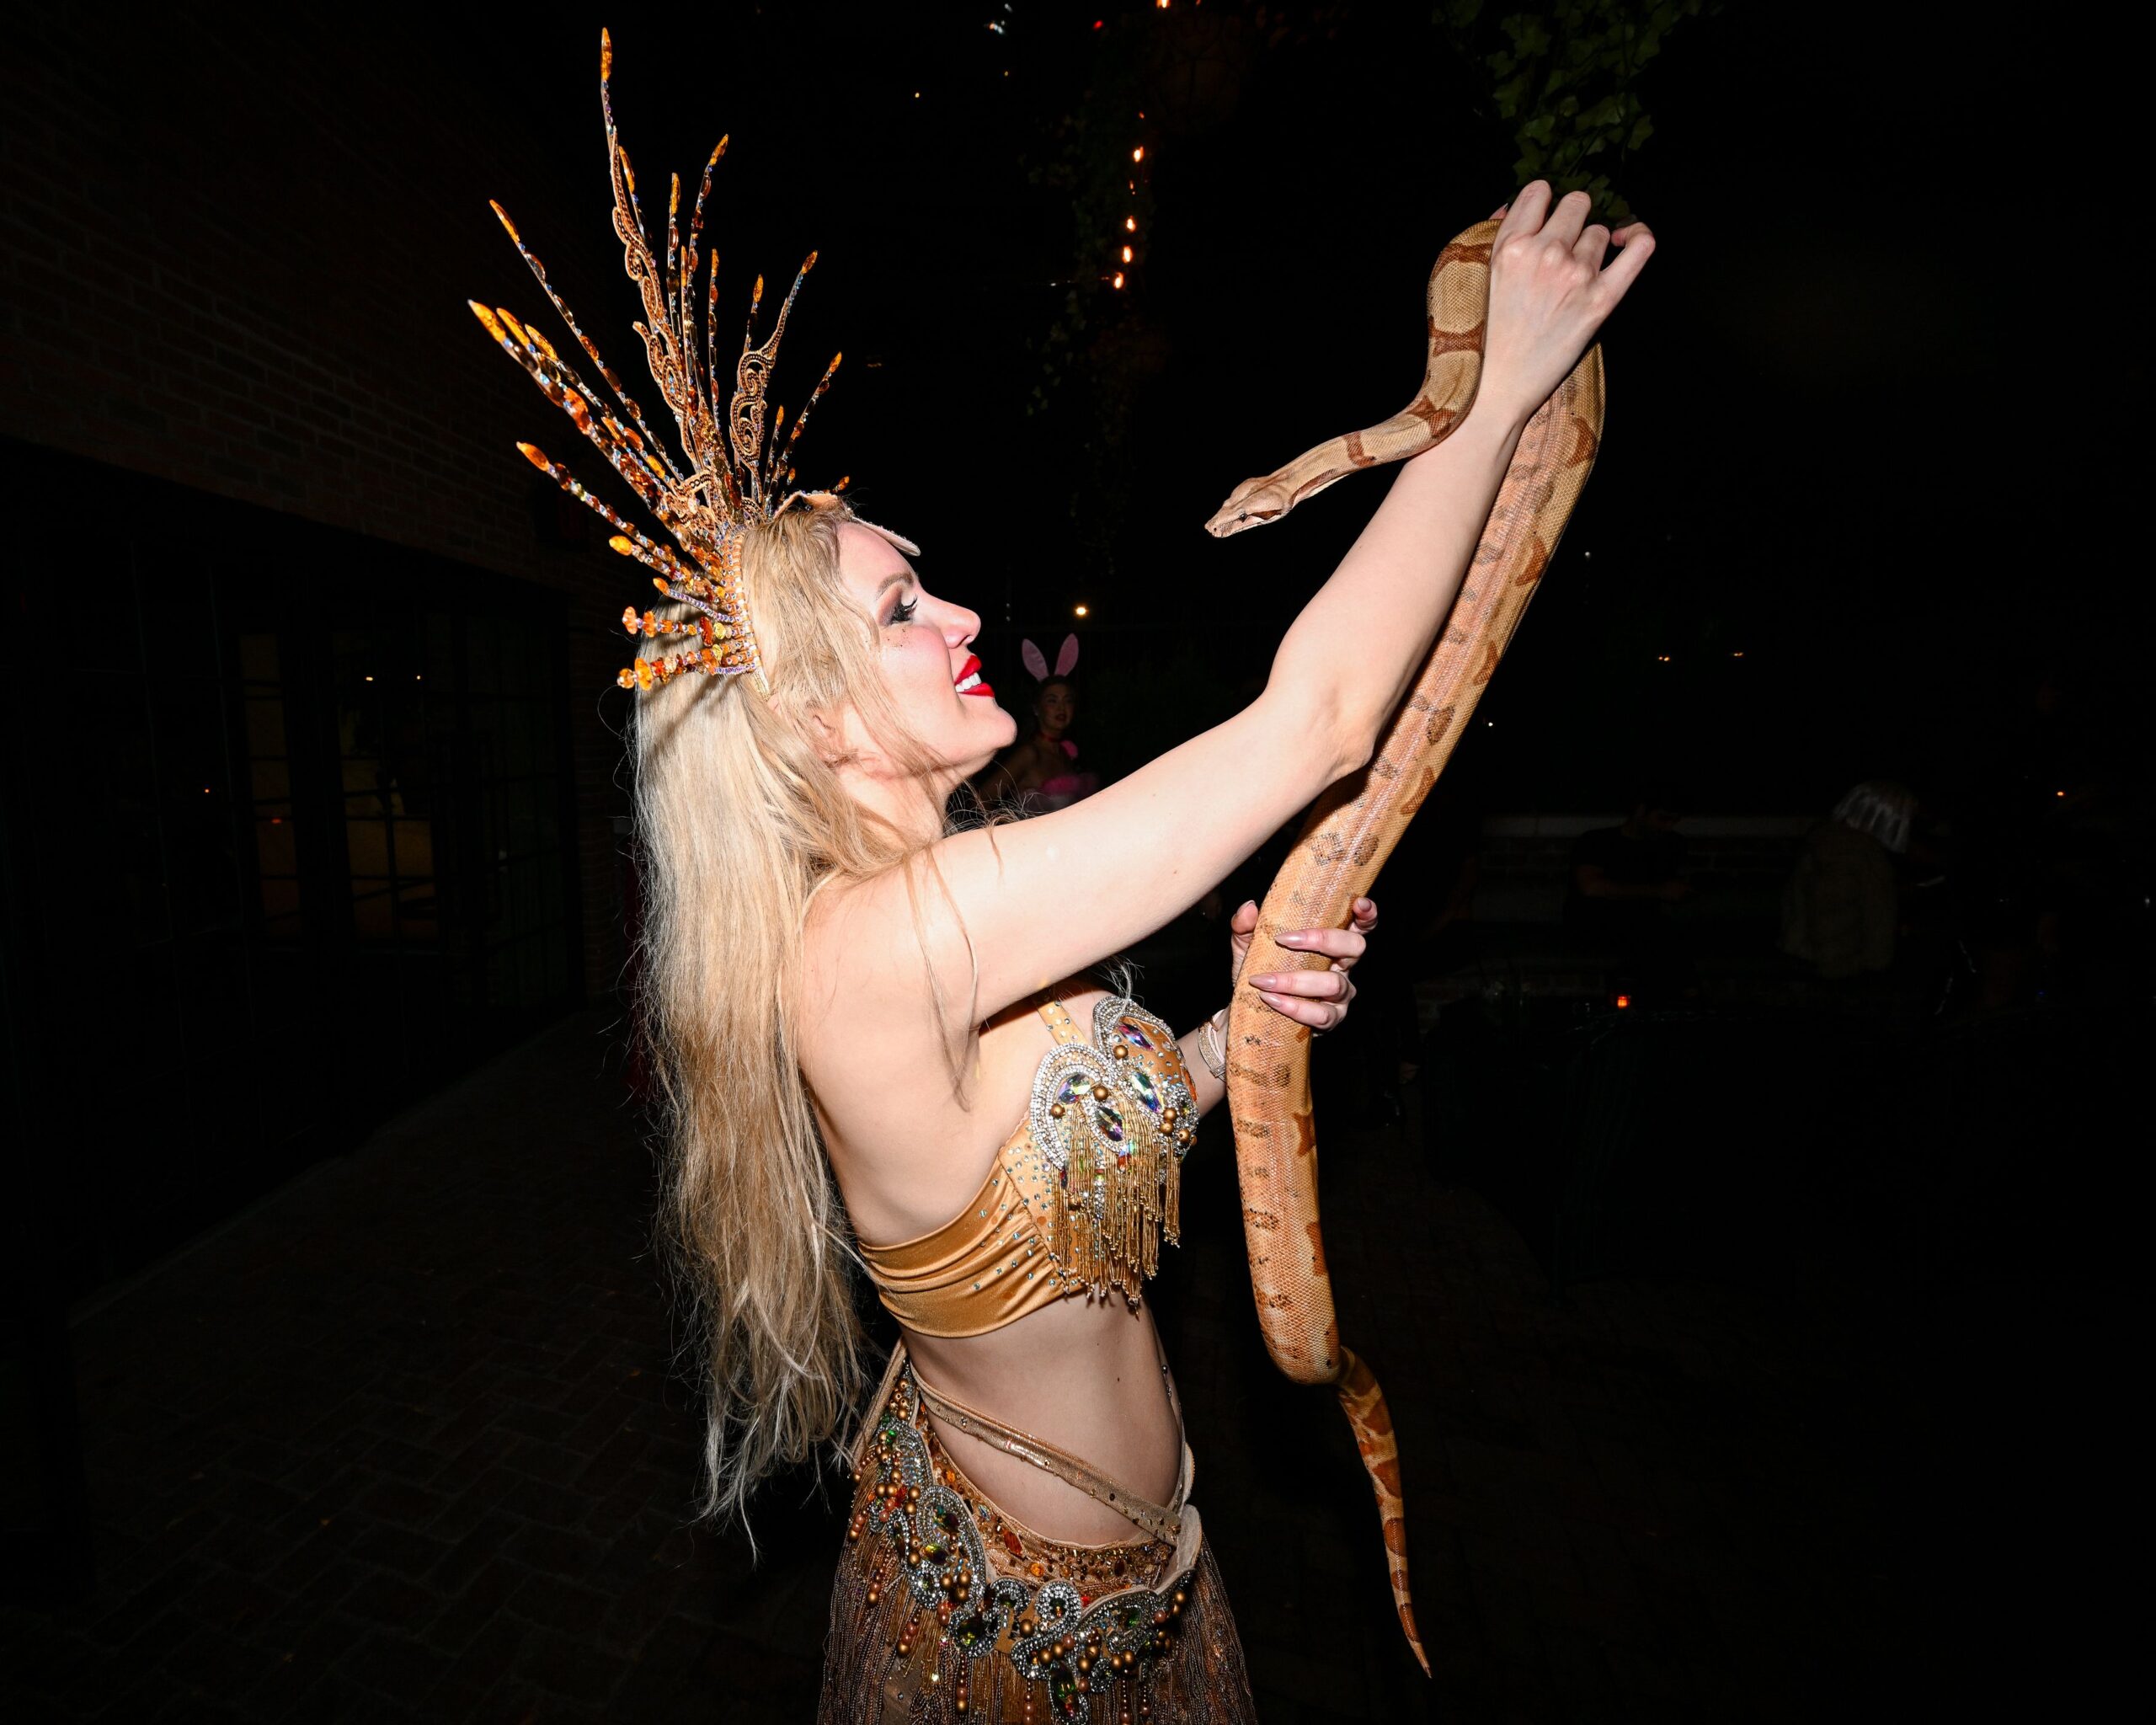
(1080, 1633)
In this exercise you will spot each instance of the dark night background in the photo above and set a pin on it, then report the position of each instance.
(315, 907)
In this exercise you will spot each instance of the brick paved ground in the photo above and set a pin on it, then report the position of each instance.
(404, 1444)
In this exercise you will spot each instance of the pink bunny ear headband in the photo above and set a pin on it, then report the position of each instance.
(1066, 656)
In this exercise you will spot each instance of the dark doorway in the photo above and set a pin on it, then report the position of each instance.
(289, 836)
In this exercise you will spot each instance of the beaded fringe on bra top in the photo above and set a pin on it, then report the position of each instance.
(1112, 1121)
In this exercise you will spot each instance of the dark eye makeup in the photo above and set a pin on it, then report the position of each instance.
(902, 612)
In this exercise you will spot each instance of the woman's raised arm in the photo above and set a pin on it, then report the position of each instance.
(1031, 903)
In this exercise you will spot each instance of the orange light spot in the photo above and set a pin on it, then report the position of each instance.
(1126, 254)
(1623, 1001)
(1117, 282)
(1078, 611)
(1130, 224)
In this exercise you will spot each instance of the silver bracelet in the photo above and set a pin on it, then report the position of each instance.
(1210, 1049)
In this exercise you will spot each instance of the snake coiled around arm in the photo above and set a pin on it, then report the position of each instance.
(1356, 824)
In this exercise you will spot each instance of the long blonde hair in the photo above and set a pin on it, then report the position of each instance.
(740, 821)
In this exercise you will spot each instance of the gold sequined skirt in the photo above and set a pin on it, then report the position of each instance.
(946, 1610)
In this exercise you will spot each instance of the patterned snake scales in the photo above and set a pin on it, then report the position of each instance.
(1355, 825)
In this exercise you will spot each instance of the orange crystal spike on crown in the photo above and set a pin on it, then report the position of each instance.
(725, 478)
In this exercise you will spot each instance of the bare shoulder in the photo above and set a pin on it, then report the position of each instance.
(911, 1120)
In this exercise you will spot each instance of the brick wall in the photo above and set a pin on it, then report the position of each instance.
(234, 255)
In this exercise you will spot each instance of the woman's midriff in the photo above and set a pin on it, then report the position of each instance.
(1082, 1375)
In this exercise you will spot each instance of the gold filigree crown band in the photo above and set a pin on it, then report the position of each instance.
(728, 475)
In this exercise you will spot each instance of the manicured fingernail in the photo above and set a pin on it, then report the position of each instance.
(1263, 983)
(1291, 940)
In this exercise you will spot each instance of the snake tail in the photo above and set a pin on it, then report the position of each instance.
(1372, 1421)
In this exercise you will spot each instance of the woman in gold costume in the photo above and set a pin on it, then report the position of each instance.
(879, 1037)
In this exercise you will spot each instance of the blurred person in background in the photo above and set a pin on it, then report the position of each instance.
(1040, 772)
(1842, 906)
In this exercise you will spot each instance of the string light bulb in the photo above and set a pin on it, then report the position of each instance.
(1130, 224)
(1080, 611)
(1126, 254)
(1138, 154)
(1117, 282)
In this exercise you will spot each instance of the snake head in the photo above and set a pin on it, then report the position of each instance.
(1251, 504)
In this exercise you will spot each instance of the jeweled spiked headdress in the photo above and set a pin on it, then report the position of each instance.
(731, 478)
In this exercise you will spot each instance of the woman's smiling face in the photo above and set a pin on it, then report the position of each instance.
(1054, 707)
(927, 660)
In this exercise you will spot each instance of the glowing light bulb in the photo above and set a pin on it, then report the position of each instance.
(1117, 282)
(1078, 611)
(1130, 224)
(1623, 1001)
(1126, 254)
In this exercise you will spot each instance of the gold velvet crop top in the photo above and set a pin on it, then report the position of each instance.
(1079, 1194)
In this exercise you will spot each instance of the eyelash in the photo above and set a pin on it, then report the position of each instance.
(903, 612)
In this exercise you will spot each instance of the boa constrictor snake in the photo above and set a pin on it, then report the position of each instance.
(1355, 825)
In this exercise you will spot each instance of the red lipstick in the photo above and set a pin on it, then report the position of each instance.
(968, 682)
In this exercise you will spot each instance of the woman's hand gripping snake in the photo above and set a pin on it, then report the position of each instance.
(1355, 825)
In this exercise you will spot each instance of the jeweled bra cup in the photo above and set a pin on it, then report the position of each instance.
(1118, 1111)
(1111, 1121)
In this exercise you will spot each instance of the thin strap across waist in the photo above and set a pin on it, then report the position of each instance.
(1159, 1521)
